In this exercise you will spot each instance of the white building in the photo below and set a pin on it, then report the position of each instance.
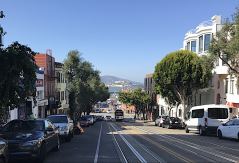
(62, 93)
(37, 107)
(222, 87)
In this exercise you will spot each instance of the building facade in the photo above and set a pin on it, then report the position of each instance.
(222, 88)
(47, 61)
(62, 94)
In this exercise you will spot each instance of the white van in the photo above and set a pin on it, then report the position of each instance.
(207, 118)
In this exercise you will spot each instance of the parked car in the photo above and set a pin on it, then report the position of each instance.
(65, 125)
(90, 119)
(30, 138)
(172, 122)
(207, 118)
(229, 129)
(84, 122)
(3, 151)
(108, 118)
(159, 120)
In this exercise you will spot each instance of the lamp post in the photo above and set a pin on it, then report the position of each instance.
(2, 33)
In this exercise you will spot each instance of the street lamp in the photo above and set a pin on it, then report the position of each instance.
(2, 33)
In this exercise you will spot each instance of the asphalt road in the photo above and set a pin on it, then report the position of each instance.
(139, 142)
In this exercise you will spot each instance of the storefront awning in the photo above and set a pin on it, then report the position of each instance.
(232, 104)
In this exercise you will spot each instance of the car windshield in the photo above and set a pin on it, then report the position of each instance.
(32, 125)
(83, 118)
(58, 119)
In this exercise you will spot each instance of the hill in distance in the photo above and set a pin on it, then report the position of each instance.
(117, 84)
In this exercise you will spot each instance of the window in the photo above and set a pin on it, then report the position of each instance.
(207, 40)
(236, 122)
(58, 96)
(199, 113)
(224, 59)
(193, 46)
(226, 86)
(58, 77)
(179, 112)
(218, 84)
(217, 113)
(229, 123)
(200, 44)
(232, 86)
(62, 95)
(200, 99)
(188, 46)
(40, 94)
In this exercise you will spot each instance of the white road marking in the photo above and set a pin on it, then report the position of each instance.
(136, 153)
(193, 145)
(117, 144)
(98, 146)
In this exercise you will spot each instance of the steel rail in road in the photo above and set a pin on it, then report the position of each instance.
(122, 158)
(136, 153)
(154, 155)
(218, 154)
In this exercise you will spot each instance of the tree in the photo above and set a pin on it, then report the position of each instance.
(18, 75)
(179, 74)
(85, 87)
(226, 44)
(138, 98)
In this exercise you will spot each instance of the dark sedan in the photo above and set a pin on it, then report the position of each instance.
(3, 151)
(84, 122)
(30, 138)
(172, 122)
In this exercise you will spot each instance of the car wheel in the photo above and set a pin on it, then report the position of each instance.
(186, 129)
(201, 132)
(219, 133)
(155, 124)
(72, 134)
(42, 154)
(57, 147)
(68, 138)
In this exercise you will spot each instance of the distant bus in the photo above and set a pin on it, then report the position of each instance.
(119, 115)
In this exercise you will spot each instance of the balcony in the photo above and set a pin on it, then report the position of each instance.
(222, 71)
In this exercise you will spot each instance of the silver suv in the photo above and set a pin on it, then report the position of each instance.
(64, 124)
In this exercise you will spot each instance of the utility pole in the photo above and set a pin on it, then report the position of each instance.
(2, 33)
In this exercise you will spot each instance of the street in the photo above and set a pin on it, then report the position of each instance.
(142, 142)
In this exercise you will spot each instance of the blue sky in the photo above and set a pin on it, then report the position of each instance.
(125, 38)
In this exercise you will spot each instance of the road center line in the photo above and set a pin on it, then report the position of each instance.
(98, 146)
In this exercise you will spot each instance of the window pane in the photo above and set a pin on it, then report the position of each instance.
(232, 86)
(200, 43)
(198, 113)
(188, 45)
(193, 46)
(217, 113)
(236, 122)
(226, 86)
(207, 41)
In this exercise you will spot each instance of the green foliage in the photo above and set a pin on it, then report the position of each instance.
(179, 74)
(18, 74)
(226, 44)
(137, 97)
(85, 86)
